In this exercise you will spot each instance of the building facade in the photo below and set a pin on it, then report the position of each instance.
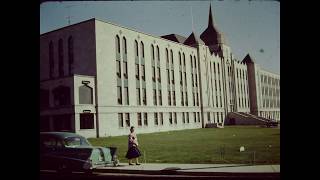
(97, 79)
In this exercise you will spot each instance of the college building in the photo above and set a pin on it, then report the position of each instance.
(97, 79)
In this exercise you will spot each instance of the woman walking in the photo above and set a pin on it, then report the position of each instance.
(133, 151)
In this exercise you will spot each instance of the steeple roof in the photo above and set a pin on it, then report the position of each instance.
(212, 36)
(193, 39)
(248, 59)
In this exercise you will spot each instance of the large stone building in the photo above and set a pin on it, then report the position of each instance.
(97, 79)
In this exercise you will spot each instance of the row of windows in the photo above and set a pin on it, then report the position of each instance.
(142, 118)
(271, 103)
(269, 80)
(216, 95)
(156, 76)
(63, 122)
(242, 86)
(122, 65)
(217, 117)
(61, 57)
(62, 96)
(183, 80)
(271, 92)
(194, 78)
(171, 91)
(270, 114)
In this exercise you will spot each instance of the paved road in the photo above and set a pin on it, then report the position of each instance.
(117, 176)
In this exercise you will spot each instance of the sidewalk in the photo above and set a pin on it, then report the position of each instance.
(192, 169)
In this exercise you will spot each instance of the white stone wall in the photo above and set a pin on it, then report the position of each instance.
(95, 62)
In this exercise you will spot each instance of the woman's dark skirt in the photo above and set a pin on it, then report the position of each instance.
(133, 152)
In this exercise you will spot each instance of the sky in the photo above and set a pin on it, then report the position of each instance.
(249, 26)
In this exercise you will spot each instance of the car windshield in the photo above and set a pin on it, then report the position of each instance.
(75, 142)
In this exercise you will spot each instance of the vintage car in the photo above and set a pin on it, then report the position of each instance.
(67, 152)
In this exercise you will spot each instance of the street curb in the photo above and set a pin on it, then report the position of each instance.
(179, 172)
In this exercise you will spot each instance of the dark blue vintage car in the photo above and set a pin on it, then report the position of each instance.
(66, 152)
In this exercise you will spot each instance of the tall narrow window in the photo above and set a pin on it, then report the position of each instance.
(117, 44)
(143, 76)
(170, 117)
(172, 73)
(125, 69)
(154, 97)
(152, 51)
(161, 118)
(51, 60)
(171, 57)
(127, 116)
(126, 96)
(156, 119)
(175, 118)
(188, 117)
(145, 116)
(139, 119)
(138, 96)
(118, 69)
(158, 53)
(183, 119)
(153, 74)
(137, 72)
(119, 94)
(168, 76)
(142, 49)
(124, 45)
(167, 56)
(174, 97)
(195, 117)
(60, 48)
(169, 98)
(144, 96)
(120, 119)
(160, 97)
(159, 75)
(70, 54)
(136, 48)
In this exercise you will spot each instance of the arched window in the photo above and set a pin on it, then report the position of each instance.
(51, 60)
(124, 45)
(167, 55)
(152, 51)
(117, 44)
(60, 52)
(70, 54)
(85, 95)
(184, 60)
(171, 56)
(136, 48)
(158, 53)
(142, 49)
(179, 58)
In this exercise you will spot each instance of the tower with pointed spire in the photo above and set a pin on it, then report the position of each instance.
(212, 37)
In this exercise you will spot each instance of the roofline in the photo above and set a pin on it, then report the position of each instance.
(64, 27)
(95, 19)
(159, 37)
(269, 72)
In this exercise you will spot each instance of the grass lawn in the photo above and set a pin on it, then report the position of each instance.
(212, 145)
